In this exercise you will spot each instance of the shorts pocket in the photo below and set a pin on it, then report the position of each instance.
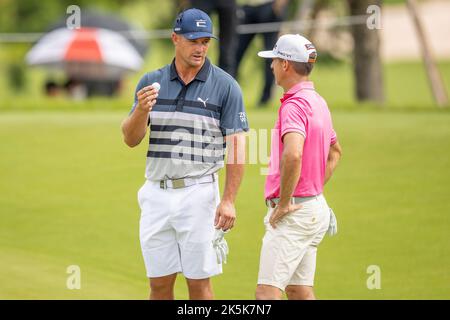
(307, 220)
(140, 195)
(267, 216)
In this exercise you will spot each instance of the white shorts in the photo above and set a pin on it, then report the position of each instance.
(177, 229)
(288, 253)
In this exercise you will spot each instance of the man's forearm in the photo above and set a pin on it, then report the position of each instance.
(235, 166)
(134, 127)
(331, 165)
(332, 161)
(291, 167)
(233, 179)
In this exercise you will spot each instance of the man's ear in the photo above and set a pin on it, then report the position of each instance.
(174, 38)
(285, 65)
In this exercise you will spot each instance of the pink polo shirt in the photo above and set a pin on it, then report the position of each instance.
(304, 111)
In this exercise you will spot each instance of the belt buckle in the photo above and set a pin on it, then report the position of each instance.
(178, 183)
(163, 184)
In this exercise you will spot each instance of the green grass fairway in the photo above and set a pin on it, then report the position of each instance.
(68, 197)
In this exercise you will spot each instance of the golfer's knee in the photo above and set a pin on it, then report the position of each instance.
(200, 289)
(161, 292)
(160, 287)
(261, 295)
(163, 285)
(300, 293)
(199, 284)
(264, 292)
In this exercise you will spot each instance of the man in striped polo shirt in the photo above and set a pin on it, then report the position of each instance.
(195, 117)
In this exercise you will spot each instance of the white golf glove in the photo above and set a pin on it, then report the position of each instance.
(332, 229)
(220, 246)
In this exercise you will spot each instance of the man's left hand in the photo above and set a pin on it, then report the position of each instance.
(281, 211)
(225, 216)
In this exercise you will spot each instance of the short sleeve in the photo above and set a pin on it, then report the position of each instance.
(333, 137)
(293, 119)
(142, 83)
(233, 118)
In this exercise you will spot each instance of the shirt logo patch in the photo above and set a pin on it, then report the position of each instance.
(203, 101)
(242, 116)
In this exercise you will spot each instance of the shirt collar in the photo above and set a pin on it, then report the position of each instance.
(296, 88)
(202, 75)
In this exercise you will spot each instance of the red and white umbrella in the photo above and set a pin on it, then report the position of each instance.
(93, 53)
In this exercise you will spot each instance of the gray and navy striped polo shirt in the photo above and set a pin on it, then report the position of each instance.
(189, 122)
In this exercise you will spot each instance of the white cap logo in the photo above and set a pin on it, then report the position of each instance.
(292, 47)
(201, 23)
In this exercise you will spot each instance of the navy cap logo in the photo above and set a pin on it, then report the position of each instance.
(201, 23)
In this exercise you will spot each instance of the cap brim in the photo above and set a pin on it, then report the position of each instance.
(267, 54)
(198, 35)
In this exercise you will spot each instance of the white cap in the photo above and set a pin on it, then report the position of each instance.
(292, 47)
(156, 86)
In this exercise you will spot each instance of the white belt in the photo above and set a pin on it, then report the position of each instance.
(272, 203)
(186, 182)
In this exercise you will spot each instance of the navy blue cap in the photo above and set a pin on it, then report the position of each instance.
(194, 24)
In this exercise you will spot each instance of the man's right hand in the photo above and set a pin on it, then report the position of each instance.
(146, 99)
(134, 126)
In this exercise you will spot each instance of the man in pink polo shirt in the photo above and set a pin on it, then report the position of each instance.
(304, 154)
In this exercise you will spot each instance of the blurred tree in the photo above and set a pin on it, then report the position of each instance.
(368, 69)
(16, 77)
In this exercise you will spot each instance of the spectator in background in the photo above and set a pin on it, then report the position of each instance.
(51, 88)
(103, 87)
(260, 11)
(75, 89)
(226, 10)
